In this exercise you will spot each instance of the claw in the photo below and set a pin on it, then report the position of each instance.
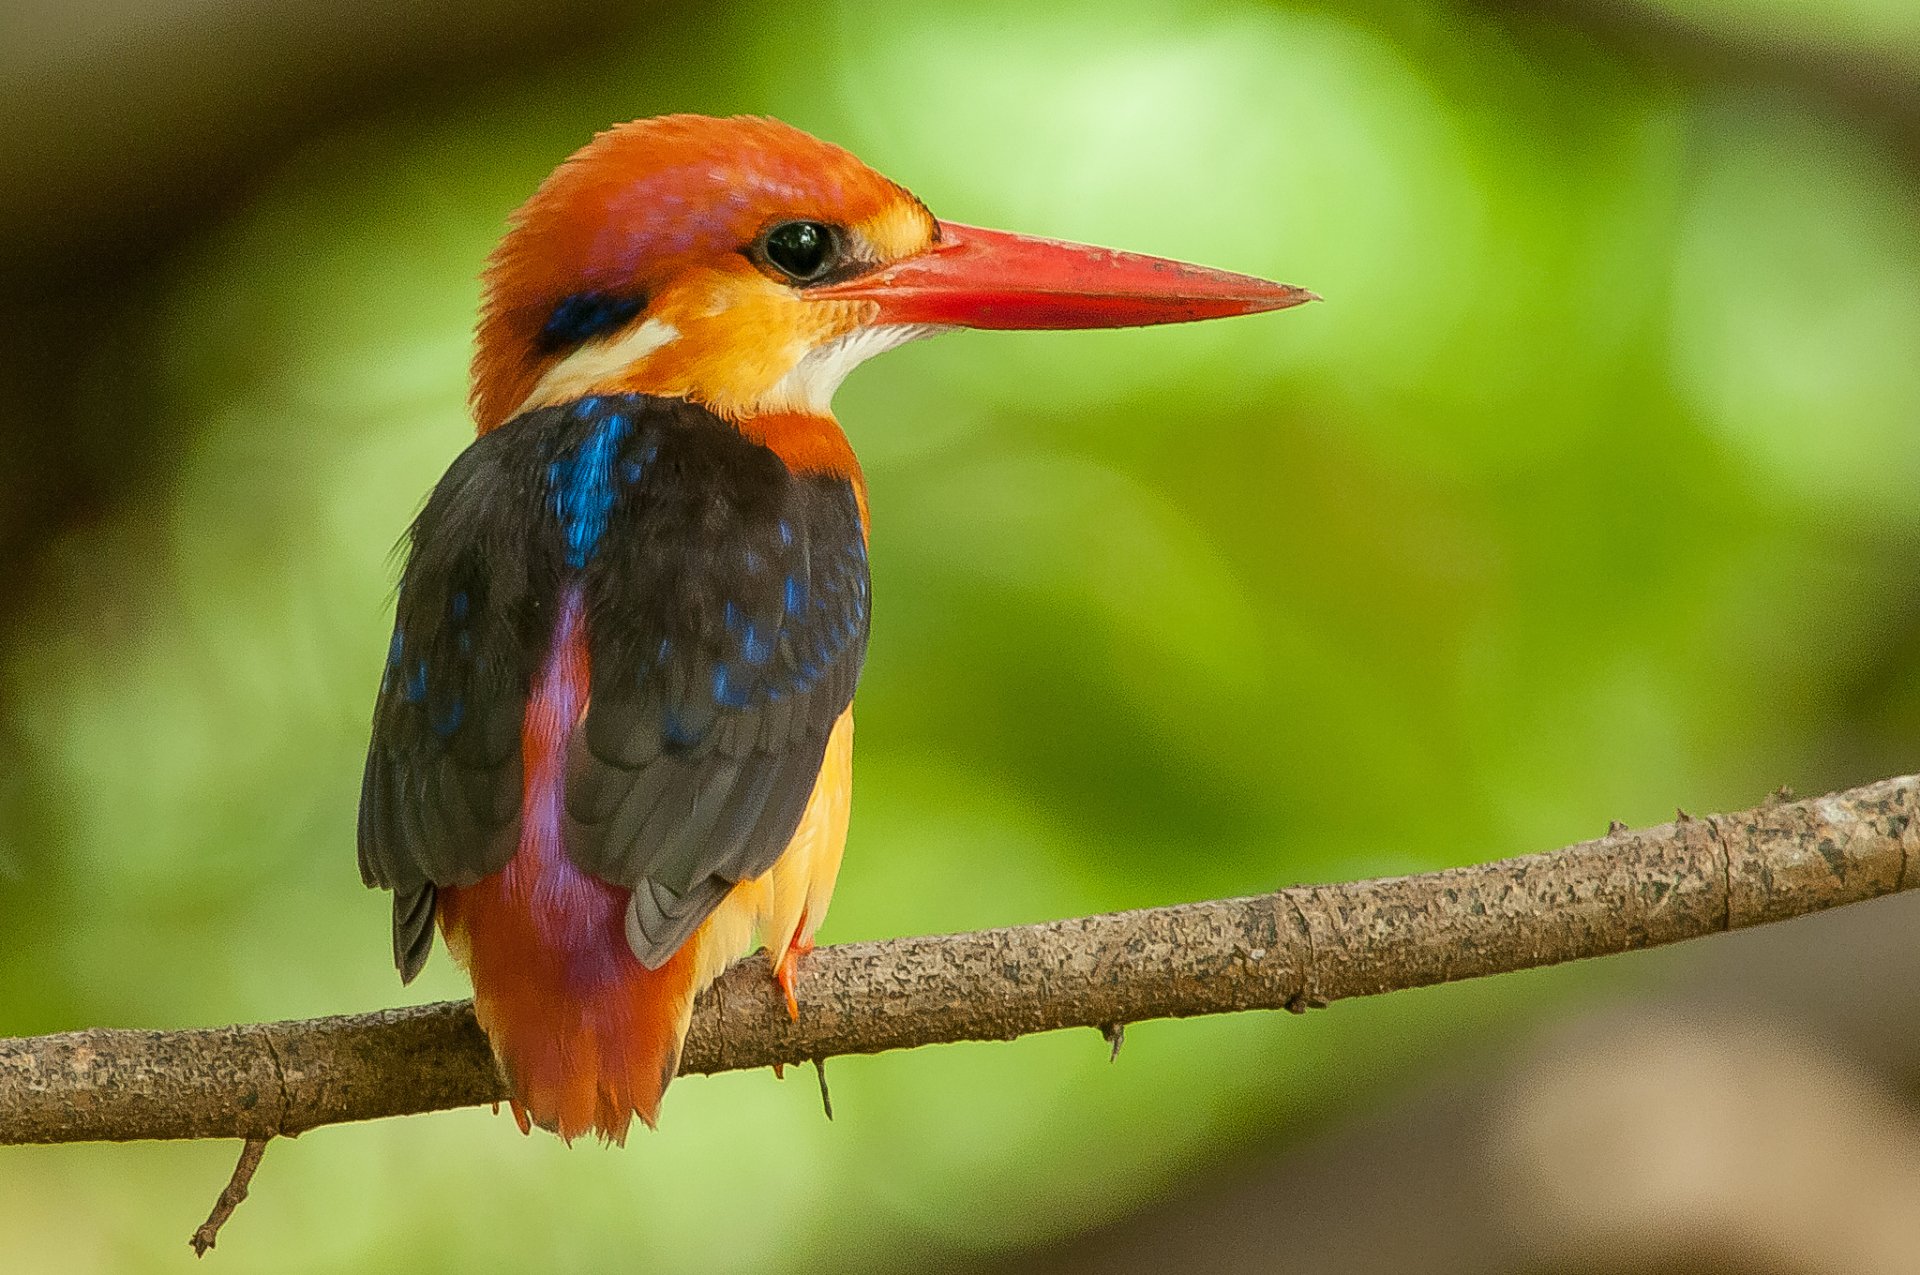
(785, 974)
(786, 971)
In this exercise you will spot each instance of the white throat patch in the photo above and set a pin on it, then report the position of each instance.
(809, 384)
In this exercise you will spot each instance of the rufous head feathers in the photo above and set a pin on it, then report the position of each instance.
(644, 264)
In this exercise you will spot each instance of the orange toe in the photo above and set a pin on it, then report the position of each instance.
(786, 970)
(785, 974)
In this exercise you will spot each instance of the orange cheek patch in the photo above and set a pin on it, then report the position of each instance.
(738, 335)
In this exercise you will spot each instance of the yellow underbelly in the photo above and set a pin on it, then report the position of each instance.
(785, 905)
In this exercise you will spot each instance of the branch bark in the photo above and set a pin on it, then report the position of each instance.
(1297, 948)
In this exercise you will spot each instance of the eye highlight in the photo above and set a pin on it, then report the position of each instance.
(804, 251)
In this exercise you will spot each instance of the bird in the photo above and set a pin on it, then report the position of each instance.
(613, 740)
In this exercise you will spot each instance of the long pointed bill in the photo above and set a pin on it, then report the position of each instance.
(978, 278)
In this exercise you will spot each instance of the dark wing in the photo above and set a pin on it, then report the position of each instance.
(441, 793)
(726, 614)
(726, 633)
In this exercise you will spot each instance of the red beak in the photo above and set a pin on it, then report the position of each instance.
(976, 278)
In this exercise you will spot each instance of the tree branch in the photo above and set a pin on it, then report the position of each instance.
(1294, 949)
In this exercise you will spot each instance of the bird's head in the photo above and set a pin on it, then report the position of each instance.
(748, 266)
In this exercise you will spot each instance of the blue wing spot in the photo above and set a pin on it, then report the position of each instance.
(634, 470)
(416, 687)
(447, 720)
(396, 649)
(796, 595)
(786, 535)
(732, 617)
(666, 649)
(754, 647)
(726, 691)
(582, 489)
(586, 407)
(459, 605)
(755, 563)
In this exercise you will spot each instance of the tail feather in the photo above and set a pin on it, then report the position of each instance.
(581, 1055)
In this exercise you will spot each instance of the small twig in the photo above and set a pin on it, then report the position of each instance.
(826, 1099)
(1116, 1035)
(236, 1191)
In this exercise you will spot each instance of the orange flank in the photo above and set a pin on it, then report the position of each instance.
(790, 900)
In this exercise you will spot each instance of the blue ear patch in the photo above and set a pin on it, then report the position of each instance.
(585, 315)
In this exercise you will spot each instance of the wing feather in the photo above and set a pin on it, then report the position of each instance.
(440, 799)
(726, 641)
(726, 621)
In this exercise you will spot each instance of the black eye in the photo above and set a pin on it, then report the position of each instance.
(801, 250)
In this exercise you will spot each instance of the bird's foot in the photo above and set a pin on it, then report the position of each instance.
(786, 972)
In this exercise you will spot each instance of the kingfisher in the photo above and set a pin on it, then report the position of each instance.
(614, 739)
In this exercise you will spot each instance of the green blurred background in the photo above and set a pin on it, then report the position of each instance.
(1592, 489)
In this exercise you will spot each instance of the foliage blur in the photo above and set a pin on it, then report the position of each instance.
(1589, 490)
